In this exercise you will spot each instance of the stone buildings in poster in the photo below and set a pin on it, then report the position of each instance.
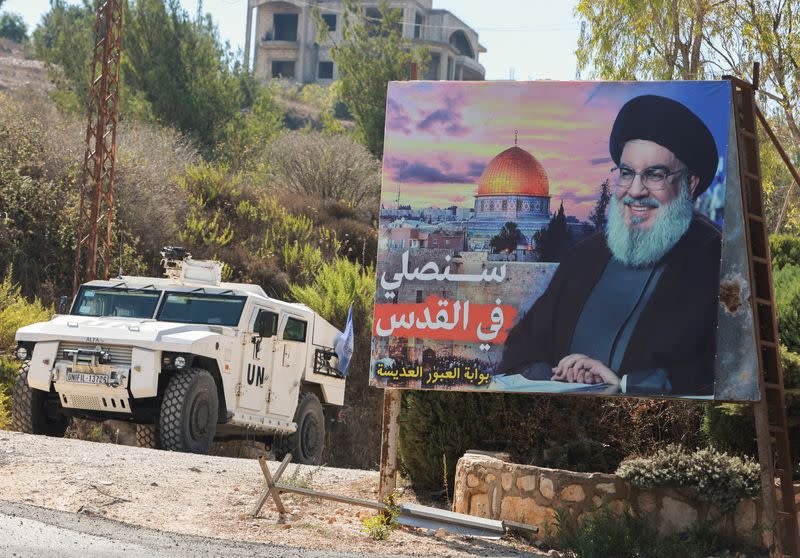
(514, 187)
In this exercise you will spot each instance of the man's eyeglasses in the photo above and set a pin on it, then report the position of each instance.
(653, 178)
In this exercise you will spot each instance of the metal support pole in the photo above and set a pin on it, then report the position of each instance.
(247, 32)
(390, 438)
(765, 459)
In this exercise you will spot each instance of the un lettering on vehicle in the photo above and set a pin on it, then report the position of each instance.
(255, 375)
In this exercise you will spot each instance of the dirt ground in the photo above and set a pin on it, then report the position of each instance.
(19, 72)
(211, 496)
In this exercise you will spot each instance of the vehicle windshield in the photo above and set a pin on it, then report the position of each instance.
(114, 301)
(199, 308)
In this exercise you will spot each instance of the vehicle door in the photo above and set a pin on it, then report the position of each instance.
(257, 362)
(289, 363)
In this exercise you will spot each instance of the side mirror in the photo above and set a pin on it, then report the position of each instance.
(267, 323)
(62, 305)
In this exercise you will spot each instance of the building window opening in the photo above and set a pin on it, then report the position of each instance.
(285, 26)
(460, 44)
(373, 16)
(325, 70)
(283, 69)
(418, 23)
(432, 71)
(374, 19)
(330, 21)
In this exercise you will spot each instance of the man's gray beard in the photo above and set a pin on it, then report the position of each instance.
(644, 247)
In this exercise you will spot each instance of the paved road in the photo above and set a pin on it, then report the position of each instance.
(32, 532)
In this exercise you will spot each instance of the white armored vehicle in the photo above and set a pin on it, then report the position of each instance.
(185, 357)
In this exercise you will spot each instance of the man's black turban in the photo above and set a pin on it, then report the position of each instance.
(671, 125)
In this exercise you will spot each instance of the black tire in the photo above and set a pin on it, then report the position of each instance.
(30, 411)
(307, 443)
(189, 412)
(147, 436)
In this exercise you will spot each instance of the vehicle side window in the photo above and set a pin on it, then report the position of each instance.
(266, 323)
(295, 330)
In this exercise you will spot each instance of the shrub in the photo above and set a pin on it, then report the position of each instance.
(714, 477)
(785, 249)
(437, 427)
(151, 162)
(575, 433)
(730, 427)
(354, 228)
(604, 534)
(355, 440)
(329, 167)
(381, 525)
(5, 410)
(15, 312)
(787, 302)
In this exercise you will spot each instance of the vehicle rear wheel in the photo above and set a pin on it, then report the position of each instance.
(147, 436)
(31, 410)
(189, 412)
(307, 443)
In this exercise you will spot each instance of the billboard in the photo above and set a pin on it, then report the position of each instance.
(563, 237)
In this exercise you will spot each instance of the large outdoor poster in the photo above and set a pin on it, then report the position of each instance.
(555, 237)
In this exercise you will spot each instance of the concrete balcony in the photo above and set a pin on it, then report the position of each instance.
(472, 69)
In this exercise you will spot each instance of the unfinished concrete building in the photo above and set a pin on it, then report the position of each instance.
(286, 39)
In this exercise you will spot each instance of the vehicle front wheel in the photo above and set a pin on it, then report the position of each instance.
(189, 412)
(31, 410)
(307, 443)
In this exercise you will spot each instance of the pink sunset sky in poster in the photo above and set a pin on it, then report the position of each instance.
(441, 135)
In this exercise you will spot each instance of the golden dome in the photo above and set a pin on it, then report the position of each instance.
(514, 172)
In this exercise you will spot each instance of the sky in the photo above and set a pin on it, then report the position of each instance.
(524, 39)
(440, 136)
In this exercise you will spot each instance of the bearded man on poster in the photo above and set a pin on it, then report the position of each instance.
(635, 307)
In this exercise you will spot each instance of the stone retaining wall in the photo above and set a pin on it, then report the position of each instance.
(489, 487)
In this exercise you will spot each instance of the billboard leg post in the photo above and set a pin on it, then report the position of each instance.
(772, 426)
(767, 476)
(390, 438)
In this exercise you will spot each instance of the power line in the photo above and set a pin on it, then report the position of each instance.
(527, 29)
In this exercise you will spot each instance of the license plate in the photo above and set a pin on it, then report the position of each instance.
(82, 378)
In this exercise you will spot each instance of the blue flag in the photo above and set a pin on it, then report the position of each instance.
(344, 343)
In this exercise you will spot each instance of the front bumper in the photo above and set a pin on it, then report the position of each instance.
(93, 388)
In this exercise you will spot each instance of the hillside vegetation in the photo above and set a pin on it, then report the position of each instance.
(269, 180)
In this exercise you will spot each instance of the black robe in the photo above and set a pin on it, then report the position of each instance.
(676, 332)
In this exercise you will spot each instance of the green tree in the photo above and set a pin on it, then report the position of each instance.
(13, 27)
(553, 243)
(507, 239)
(174, 68)
(665, 41)
(184, 71)
(697, 39)
(63, 40)
(370, 55)
(599, 216)
(246, 135)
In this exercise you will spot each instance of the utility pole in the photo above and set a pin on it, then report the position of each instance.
(95, 214)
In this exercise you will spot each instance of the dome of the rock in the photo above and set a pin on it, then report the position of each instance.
(514, 172)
